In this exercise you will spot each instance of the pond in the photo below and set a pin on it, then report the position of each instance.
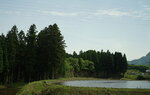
(109, 84)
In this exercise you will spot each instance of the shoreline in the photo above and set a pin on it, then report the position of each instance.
(44, 87)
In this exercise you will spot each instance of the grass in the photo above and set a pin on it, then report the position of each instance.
(47, 87)
(135, 77)
(2, 87)
(18, 84)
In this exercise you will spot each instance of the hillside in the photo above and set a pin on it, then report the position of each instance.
(145, 60)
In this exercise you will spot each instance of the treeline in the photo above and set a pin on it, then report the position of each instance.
(106, 64)
(140, 68)
(31, 56)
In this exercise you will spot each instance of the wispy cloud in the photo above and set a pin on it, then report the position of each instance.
(57, 13)
(9, 12)
(112, 12)
(146, 7)
(143, 13)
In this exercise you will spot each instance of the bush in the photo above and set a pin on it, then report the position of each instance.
(140, 77)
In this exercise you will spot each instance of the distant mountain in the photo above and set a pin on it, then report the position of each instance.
(145, 60)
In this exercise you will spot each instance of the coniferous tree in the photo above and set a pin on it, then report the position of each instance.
(26, 58)
(56, 50)
(21, 58)
(68, 55)
(12, 43)
(75, 55)
(118, 62)
(109, 62)
(31, 40)
(1, 62)
(1, 59)
(81, 54)
(124, 63)
(4, 75)
(43, 66)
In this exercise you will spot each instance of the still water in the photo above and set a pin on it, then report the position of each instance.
(109, 84)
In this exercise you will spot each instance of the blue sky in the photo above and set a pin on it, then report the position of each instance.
(117, 25)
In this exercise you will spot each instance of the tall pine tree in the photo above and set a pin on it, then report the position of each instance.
(12, 44)
(56, 51)
(31, 40)
(1, 59)
(43, 66)
(21, 58)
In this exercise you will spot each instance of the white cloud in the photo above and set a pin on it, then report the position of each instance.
(56, 13)
(112, 12)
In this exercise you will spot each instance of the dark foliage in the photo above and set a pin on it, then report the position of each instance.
(141, 68)
(36, 56)
(32, 56)
(106, 64)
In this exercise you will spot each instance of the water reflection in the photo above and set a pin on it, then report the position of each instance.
(110, 84)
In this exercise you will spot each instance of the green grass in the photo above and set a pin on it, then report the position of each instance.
(135, 77)
(66, 90)
(2, 86)
(47, 87)
(18, 84)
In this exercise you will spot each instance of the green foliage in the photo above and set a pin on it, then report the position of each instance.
(21, 56)
(31, 52)
(6, 69)
(141, 68)
(57, 51)
(36, 56)
(136, 75)
(73, 63)
(140, 77)
(132, 74)
(106, 64)
(12, 47)
(51, 53)
(79, 67)
(31, 56)
(1, 59)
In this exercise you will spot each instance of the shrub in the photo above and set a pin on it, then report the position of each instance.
(140, 77)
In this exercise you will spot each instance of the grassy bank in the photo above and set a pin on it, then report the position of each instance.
(47, 87)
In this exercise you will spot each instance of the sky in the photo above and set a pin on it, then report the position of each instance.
(115, 25)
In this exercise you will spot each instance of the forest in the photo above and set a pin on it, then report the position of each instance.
(32, 55)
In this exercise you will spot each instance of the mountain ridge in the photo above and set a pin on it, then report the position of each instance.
(145, 60)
